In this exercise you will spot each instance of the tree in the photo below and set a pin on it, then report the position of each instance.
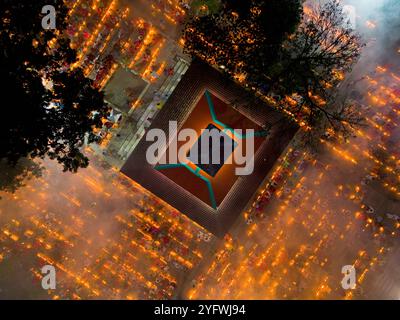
(242, 38)
(311, 68)
(12, 177)
(296, 67)
(49, 108)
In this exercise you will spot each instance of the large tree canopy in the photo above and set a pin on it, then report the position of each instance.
(12, 177)
(48, 108)
(242, 37)
(312, 65)
(295, 66)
